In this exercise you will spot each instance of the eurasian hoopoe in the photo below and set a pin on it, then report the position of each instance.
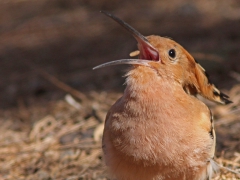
(158, 129)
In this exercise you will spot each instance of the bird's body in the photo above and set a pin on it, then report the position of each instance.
(141, 142)
(158, 129)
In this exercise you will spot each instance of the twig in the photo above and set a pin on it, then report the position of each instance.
(235, 75)
(58, 83)
(81, 147)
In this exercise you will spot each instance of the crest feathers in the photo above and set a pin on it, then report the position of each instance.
(199, 83)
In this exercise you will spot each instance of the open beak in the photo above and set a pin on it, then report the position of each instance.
(147, 51)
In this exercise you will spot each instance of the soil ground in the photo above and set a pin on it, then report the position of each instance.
(53, 105)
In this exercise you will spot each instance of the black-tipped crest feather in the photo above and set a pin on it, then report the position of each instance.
(203, 85)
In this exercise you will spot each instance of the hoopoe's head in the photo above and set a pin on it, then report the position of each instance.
(170, 60)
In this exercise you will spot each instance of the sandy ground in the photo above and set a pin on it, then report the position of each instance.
(52, 105)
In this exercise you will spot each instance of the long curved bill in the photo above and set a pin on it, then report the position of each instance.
(147, 51)
(124, 61)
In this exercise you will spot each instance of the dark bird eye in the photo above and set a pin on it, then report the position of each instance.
(172, 53)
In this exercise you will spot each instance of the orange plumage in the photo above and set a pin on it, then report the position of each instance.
(158, 129)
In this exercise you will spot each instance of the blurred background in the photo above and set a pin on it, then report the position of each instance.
(53, 105)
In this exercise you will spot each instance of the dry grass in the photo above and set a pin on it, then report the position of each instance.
(66, 142)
